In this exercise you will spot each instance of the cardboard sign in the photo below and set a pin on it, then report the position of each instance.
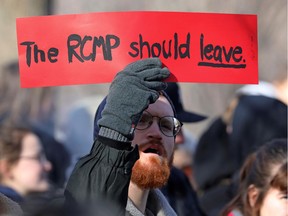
(92, 48)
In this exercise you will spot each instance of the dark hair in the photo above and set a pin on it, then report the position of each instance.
(264, 169)
(11, 143)
(280, 180)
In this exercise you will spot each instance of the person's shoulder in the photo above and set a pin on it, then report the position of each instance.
(177, 178)
(9, 207)
(11, 194)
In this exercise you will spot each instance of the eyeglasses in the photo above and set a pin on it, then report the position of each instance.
(168, 125)
(39, 157)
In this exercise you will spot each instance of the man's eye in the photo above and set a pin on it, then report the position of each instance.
(144, 119)
(167, 125)
(284, 196)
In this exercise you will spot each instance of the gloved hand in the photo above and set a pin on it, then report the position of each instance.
(131, 92)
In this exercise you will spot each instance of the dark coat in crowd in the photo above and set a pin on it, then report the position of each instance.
(181, 196)
(219, 155)
(257, 120)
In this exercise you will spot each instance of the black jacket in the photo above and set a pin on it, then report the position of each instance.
(180, 194)
(104, 174)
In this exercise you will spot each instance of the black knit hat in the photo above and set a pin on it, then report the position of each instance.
(173, 91)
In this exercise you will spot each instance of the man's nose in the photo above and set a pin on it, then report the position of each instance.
(47, 165)
(154, 129)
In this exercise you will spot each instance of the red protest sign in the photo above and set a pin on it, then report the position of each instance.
(92, 48)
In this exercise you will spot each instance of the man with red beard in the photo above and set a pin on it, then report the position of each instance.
(133, 152)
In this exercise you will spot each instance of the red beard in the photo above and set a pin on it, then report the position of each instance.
(151, 174)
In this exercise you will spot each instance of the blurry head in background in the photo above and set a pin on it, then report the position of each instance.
(35, 108)
(23, 164)
(56, 153)
(263, 182)
(34, 105)
(174, 93)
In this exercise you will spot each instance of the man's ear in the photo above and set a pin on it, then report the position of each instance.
(253, 193)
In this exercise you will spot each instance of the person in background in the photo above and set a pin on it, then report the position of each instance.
(34, 108)
(178, 190)
(259, 116)
(254, 116)
(23, 168)
(213, 168)
(263, 183)
(184, 140)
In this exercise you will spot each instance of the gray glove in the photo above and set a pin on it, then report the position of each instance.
(131, 92)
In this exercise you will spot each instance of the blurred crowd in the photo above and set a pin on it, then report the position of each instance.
(211, 174)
